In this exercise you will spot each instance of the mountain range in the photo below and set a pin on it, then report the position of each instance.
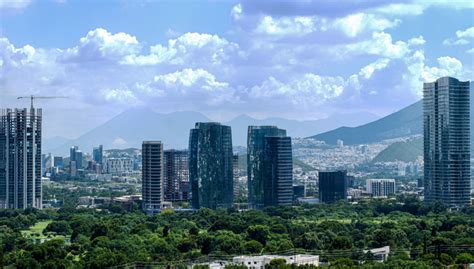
(133, 126)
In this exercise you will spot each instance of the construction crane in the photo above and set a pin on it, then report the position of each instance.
(33, 97)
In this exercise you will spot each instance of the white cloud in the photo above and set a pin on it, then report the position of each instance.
(381, 44)
(416, 41)
(195, 85)
(14, 4)
(463, 37)
(236, 12)
(286, 25)
(468, 33)
(306, 90)
(190, 48)
(471, 50)
(368, 70)
(99, 44)
(122, 96)
(355, 24)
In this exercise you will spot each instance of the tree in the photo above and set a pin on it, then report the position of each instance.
(275, 264)
(259, 233)
(253, 247)
(464, 258)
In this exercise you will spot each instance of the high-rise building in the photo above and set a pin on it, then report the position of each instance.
(332, 186)
(97, 154)
(446, 126)
(20, 158)
(210, 165)
(277, 171)
(381, 187)
(152, 176)
(255, 160)
(79, 159)
(176, 175)
(58, 162)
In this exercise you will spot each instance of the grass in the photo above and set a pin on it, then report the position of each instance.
(35, 233)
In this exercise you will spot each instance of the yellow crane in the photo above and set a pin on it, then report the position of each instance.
(33, 97)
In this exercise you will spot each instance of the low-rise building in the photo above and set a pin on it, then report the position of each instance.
(259, 262)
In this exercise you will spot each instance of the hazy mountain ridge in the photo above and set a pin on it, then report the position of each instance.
(133, 126)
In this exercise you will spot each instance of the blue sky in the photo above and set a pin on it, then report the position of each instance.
(292, 59)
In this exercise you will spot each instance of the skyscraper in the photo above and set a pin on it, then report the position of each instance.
(97, 154)
(210, 165)
(152, 176)
(446, 126)
(332, 186)
(176, 175)
(278, 171)
(256, 152)
(20, 158)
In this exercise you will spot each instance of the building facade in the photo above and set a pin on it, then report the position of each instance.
(97, 154)
(118, 166)
(382, 187)
(20, 158)
(278, 171)
(255, 161)
(176, 176)
(152, 176)
(332, 186)
(446, 129)
(210, 166)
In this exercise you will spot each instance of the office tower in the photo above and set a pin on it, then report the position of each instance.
(72, 153)
(277, 171)
(79, 159)
(255, 158)
(176, 175)
(380, 187)
(20, 158)
(210, 165)
(58, 162)
(446, 127)
(332, 186)
(97, 154)
(152, 176)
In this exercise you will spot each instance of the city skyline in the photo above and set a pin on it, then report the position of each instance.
(315, 60)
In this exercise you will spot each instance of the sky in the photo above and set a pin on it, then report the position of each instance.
(302, 59)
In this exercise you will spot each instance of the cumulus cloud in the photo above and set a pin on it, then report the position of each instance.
(190, 48)
(463, 37)
(99, 45)
(355, 24)
(381, 44)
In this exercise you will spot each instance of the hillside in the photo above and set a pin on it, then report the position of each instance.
(405, 122)
(407, 151)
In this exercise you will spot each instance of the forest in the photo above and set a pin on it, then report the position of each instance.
(419, 235)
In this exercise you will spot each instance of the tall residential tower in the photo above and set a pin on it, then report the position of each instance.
(152, 176)
(210, 165)
(20, 158)
(447, 141)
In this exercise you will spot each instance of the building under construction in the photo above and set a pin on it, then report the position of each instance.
(176, 179)
(20, 158)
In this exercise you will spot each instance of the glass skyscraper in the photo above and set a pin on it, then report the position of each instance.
(447, 141)
(20, 158)
(256, 152)
(210, 166)
(278, 171)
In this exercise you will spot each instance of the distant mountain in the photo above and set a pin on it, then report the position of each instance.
(405, 122)
(133, 126)
(297, 128)
(130, 128)
(406, 151)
